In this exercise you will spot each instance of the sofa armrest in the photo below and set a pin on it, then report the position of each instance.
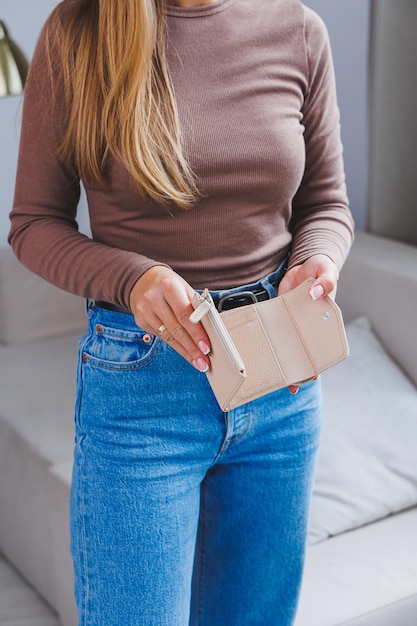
(379, 279)
(31, 308)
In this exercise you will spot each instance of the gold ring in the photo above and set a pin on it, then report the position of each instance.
(161, 330)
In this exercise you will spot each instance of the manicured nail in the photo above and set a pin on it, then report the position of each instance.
(204, 347)
(200, 365)
(317, 292)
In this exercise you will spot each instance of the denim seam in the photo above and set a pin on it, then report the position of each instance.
(225, 443)
(232, 440)
(85, 597)
(243, 433)
(114, 335)
(126, 367)
(80, 382)
(201, 558)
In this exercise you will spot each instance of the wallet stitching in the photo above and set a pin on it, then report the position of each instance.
(297, 328)
(273, 386)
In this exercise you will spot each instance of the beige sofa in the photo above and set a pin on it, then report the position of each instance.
(362, 559)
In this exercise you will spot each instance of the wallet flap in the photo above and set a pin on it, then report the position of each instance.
(320, 326)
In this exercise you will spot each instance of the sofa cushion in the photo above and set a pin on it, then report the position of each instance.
(365, 577)
(20, 605)
(31, 308)
(37, 392)
(367, 464)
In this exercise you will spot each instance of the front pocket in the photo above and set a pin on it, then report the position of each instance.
(116, 348)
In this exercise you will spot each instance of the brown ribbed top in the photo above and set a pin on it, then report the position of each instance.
(256, 96)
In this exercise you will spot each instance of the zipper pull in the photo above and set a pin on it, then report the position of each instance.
(202, 309)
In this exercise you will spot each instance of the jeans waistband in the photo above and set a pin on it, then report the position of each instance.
(225, 299)
(263, 289)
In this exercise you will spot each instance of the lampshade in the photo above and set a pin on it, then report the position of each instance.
(13, 65)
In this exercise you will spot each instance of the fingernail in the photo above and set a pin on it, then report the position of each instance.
(316, 292)
(204, 347)
(200, 365)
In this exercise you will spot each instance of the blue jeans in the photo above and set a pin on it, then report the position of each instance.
(182, 514)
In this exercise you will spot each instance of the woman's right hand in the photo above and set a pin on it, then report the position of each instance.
(161, 304)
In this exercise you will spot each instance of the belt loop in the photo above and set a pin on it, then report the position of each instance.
(88, 307)
(270, 283)
(271, 289)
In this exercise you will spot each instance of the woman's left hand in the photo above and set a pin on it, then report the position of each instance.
(326, 275)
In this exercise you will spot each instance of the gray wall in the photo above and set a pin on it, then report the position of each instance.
(393, 182)
(24, 19)
(347, 22)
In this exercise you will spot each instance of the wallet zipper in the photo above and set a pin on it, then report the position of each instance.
(206, 307)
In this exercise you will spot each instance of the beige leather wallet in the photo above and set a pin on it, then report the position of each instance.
(268, 345)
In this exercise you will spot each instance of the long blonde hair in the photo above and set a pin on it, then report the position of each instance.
(119, 96)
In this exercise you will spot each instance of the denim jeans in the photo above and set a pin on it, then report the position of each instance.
(182, 514)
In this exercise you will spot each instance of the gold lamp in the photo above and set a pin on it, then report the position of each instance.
(13, 65)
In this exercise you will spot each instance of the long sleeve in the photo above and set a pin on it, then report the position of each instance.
(321, 220)
(44, 232)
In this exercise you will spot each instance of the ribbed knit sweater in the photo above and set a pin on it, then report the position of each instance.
(256, 96)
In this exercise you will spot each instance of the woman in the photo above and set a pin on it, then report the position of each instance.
(206, 135)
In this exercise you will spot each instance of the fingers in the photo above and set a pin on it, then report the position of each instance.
(293, 389)
(174, 309)
(161, 304)
(291, 280)
(198, 362)
(324, 285)
(326, 274)
(321, 268)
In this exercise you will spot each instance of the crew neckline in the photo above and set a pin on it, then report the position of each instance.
(199, 11)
